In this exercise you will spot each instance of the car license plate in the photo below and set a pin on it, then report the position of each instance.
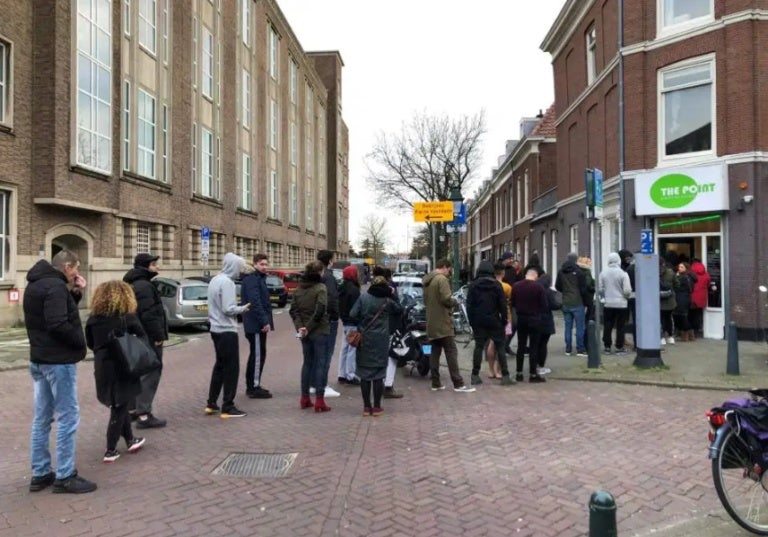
(202, 307)
(426, 349)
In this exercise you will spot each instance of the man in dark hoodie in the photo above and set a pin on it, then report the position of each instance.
(56, 344)
(258, 320)
(152, 316)
(487, 313)
(326, 258)
(572, 283)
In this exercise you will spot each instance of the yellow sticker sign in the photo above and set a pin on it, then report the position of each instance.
(433, 211)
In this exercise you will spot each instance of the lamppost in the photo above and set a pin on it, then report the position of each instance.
(458, 200)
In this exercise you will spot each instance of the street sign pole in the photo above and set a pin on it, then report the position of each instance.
(205, 248)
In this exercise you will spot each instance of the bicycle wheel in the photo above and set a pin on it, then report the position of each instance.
(741, 490)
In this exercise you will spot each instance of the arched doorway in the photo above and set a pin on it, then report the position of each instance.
(77, 240)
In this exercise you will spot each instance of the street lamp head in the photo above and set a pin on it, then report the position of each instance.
(456, 194)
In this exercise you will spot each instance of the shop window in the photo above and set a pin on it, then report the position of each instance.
(5, 234)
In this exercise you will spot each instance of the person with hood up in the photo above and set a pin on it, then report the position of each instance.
(113, 309)
(572, 283)
(685, 283)
(439, 303)
(698, 298)
(667, 302)
(222, 317)
(628, 266)
(487, 313)
(309, 311)
(615, 290)
(349, 292)
(372, 312)
(152, 317)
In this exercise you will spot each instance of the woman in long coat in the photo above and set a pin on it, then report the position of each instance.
(371, 312)
(113, 308)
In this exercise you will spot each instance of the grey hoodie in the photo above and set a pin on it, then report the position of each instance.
(222, 295)
(614, 283)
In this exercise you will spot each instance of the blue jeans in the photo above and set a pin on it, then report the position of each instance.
(347, 355)
(330, 347)
(55, 395)
(570, 313)
(313, 371)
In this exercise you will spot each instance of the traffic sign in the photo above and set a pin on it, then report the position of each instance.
(456, 228)
(433, 211)
(205, 233)
(646, 241)
(460, 217)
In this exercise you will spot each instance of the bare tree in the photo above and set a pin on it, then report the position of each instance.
(429, 156)
(373, 235)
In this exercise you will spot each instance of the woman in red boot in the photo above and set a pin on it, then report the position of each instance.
(371, 312)
(310, 317)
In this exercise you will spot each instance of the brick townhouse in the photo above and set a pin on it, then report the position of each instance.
(514, 209)
(677, 119)
(128, 125)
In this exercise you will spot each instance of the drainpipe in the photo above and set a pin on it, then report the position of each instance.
(622, 200)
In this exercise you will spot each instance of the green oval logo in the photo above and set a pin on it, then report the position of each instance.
(674, 190)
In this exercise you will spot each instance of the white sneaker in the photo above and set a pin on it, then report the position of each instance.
(543, 371)
(663, 342)
(464, 389)
(312, 390)
(671, 340)
(330, 392)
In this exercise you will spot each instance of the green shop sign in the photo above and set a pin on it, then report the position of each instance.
(676, 190)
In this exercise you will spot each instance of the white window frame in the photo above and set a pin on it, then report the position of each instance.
(273, 52)
(274, 197)
(308, 206)
(127, 17)
(206, 162)
(686, 158)
(126, 125)
(6, 238)
(246, 201)
(148, 25)
(95, 123)
(519, 186)
(146, 134)
(207, 63)
(294, 203)
(553, 246)
(544, 251)
(673, 28)
(143, 239)
(294, 81)
(246, 97)
(573, 234)
(166, 30)
(591, 48)
(273, 123)
(245, 22)
(195, 51)
(526, 190)
(294, 144)
(165, 144)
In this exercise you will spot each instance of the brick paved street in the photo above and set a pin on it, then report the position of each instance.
(502, 461)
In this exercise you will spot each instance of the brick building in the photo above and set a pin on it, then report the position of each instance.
(128, 126)
(677, 119)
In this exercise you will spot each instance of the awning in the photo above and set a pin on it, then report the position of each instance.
(545, 214)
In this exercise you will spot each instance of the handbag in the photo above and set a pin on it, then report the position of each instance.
(355, 337)
(133, 355)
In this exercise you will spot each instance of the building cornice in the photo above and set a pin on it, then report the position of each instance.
(75, 205)
(565, 24)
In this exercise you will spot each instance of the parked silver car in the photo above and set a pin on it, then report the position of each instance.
(185, 301)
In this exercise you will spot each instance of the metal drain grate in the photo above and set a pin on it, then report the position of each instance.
(256, 464)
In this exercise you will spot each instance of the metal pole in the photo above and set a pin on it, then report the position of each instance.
(456, 258)
(732, 367)
(434, 244)
(602, 515)
(622, 194)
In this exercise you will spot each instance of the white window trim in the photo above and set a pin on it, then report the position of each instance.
(195, 188)
(246, 186)
(206, 162)
(274, 195)
(685, 158)
(273, 52)
(143, 98)
(166, 153)
(8, 196)
(526, 189)
(294, 81)
(662, 30)
(246, 97)
(150, 48)
(273, 124)
(127, 18)
(294, 144)
(207, 61)
(573, 238)
(195, 51)
(127, 125)
(294, 218)
(166, 30)
(245, 22)
(6, 83)
(140, 229)
(591, 48)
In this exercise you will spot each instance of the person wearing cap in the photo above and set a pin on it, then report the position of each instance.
(511, 270)
(152, 316)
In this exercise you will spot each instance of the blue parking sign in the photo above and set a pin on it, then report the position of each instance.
(205, 233)
(646, 241)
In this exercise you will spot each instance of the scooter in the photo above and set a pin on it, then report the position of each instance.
(409, 345)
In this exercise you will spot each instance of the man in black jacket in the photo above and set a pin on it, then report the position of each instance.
(572, 282)
(56, 344)
(257, 320)
(326, 258)
(152, 316)
(487, 313)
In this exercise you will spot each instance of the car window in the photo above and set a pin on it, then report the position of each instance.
(274, 280)
(165, 290)
(195, 292)
(291, 277)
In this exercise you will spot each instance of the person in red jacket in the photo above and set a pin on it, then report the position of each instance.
(698, 297)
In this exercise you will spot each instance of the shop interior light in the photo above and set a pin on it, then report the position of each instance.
(689, 221)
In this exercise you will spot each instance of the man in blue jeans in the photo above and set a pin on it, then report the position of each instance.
(56, 344)
(572, 283)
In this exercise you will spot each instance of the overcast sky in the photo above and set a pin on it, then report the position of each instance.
(402, 56)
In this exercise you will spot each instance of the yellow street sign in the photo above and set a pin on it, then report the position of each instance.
(433, 211)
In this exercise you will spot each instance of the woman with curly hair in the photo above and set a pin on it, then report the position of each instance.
(113, 308)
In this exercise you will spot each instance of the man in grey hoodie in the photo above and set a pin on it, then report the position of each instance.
(615, 289)
(222, 316)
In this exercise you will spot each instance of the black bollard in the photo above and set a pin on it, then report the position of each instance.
(602, 515)
(593, 352)
(733, 350)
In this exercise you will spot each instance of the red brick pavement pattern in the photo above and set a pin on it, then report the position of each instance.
(503, 461)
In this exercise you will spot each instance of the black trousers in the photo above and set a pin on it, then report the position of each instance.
(666, 323)
(119, 425)
(543, 351)
(251, 380)
(477, 357)
(631, 303)
(614, 318)
(225, 370)
(528, 335)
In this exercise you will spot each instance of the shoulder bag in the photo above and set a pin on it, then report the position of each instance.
(132, 354)
(355, 337)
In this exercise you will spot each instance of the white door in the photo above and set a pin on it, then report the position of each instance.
(714, 315)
